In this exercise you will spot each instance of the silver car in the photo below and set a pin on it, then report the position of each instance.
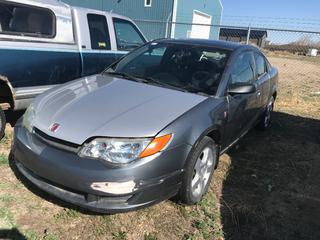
(150, 127)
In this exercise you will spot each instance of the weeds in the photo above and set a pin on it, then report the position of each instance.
(51, 236)
(6, 198)
(67, 213)
(207, 220)
(3, 159)
(150, 236)
(119, 235)
(7, 217)
(30, 235)
(6, 139)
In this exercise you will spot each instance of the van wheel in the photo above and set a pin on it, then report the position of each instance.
(199, 171)
(265, 120)
(2, 123)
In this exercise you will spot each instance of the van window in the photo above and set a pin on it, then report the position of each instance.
(127, 34)
(99, 32)
(23, 20)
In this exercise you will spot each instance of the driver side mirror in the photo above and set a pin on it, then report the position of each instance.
(242, 89)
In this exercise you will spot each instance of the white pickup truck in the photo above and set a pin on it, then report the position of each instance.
(44, 43)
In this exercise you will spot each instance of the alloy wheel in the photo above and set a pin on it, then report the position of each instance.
(202, 171)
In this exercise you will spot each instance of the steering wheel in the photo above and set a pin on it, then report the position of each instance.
(199, 80)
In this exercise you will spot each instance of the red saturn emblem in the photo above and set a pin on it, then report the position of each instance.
(54, 127)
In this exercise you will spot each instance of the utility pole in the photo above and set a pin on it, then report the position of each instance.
(248, 35)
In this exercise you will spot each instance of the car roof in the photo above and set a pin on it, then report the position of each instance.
(209, 43)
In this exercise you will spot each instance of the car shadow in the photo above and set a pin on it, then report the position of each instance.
(11, 234)
(272, 189)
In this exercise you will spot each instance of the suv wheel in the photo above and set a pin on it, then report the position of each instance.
(199, 171)
(265, 120)
(2, 123)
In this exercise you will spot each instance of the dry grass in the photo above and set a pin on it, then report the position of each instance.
(267, 187)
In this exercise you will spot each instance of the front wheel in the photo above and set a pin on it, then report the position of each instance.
(199, 171)
(2, 123)
(265, 120)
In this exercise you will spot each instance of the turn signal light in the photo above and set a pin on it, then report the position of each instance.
(156, 145)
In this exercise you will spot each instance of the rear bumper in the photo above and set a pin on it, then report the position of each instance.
(67, 176)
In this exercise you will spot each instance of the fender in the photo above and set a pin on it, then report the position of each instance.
(212, 124)
(7, 94)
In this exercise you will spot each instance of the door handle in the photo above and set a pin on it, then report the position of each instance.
(258, 94)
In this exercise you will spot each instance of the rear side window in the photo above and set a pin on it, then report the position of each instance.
(127, 34)
(22, 20)
(99, 32)
(243, 69)
(261, 66)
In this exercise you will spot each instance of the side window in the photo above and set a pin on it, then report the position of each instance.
(127, 35)
(261, 66)
(23, 20)
(243, 70)
(99, 32)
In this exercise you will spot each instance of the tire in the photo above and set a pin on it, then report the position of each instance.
(266, 118)
(3, 123)
(191, 192)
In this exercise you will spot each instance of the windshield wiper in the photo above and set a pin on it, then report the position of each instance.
(126, 76)
(152, 80)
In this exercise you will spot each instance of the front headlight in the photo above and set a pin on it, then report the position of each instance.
(28, 118)
(123, 151)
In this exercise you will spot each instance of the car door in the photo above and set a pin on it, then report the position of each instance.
(263, 80)
(243, 108)
(99, 55)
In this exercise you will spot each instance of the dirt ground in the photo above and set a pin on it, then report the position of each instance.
(266, 187)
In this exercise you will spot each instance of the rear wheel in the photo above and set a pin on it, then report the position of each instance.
(199, 171)
(265, 120)
(2, 123)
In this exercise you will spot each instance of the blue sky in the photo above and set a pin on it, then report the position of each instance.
(273, 8)
(301, 14)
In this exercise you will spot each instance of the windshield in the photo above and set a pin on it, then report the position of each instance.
(191, 68)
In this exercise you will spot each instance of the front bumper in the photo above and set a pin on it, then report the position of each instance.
(65, 175)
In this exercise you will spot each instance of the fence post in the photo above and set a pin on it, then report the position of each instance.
(248, 35)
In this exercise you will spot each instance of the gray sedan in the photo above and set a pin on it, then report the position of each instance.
(152, 126)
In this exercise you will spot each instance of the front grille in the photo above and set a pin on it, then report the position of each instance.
(55, 142)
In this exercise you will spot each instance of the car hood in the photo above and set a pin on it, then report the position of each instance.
(107, 106)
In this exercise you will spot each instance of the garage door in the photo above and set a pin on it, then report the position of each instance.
(199, 31)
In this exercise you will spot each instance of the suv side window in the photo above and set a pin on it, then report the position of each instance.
(243, 70)
(99, 32)
(261, 67)
(23, 20)
(127, 34)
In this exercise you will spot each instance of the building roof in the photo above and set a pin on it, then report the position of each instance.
(205, 42)
(234, 32)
